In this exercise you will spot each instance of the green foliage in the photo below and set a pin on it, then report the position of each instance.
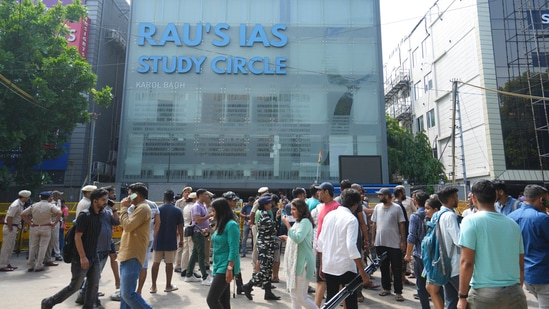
(517, 124)
(48, 88)
(411, 156)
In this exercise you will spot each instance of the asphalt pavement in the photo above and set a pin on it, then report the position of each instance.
(22, 289)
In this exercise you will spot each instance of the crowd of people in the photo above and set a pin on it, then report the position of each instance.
(480, 258)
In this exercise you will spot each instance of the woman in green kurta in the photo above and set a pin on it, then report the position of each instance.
(299, 258)
(226, 259)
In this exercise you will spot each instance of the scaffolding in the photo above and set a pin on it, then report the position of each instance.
(526, 26)
(397, 97)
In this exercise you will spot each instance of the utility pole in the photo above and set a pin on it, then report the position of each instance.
(453, 137)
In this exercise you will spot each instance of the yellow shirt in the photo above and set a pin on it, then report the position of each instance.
(135, 235)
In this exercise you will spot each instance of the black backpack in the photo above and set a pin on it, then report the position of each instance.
(69, 246)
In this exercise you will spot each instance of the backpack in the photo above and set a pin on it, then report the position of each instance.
(436, 263)
(69, 246)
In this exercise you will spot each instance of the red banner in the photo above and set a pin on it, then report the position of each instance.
(79, 36)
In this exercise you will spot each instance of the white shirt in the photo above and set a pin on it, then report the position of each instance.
(450, 232)
(84, 204)
(337, 242)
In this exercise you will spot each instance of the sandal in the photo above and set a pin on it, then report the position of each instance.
(152, 291)
(385, 293)
(171, 288)
(399, 297)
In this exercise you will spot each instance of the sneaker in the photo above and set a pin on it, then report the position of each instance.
(45, 304)
(79, 299)
(197, 276)
(207, 281)
(192, 279)
(116, 296)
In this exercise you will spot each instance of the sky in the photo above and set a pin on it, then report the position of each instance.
(398, 18)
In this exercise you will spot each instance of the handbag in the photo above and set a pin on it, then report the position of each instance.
(189, 231)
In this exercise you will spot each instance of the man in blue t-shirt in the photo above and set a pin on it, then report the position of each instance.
(492, 255)
(165, 244)
(245, 215)
(534, 224)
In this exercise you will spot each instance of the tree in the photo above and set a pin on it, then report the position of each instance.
(411, 156)
(45, 87)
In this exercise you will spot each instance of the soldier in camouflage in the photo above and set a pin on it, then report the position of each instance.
(266, 241)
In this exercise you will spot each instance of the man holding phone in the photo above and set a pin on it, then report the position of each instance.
(133, 244)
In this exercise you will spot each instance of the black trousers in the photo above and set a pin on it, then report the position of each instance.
(332, 288)
(219, 296)
(393, 262)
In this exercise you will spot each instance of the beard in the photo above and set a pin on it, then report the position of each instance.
(383, 200)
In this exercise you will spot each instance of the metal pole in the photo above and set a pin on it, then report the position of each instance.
(454, 91)
(94, 118)
(462, 146)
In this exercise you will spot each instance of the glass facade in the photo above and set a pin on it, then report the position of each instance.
(520, 29)
(225, 93)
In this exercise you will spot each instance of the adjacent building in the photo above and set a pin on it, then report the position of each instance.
(484, 46)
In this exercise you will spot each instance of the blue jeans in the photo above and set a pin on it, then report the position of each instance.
(245, 231)
(129, 274)
(451, 292)
(78, 275)
(420, 283)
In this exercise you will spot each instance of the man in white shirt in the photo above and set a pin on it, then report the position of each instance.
(339, 255)
(450, 232)
(85, 201)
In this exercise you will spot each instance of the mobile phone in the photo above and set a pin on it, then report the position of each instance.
(132, 196)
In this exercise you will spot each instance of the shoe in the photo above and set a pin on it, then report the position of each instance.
(79, 299)
(177, 270)
(14, 267)
(6, 269)
(269, 294)
(30, 270)
(384, 293)
(247, 289)
(50, 263)
(184, 273)
(399, 297)
(58, 258)
(197, 276)
(243, 255)
(115, 296)
(416, 296)
(207, 281)
(192, 279)
(36, 270)
(45, 304)
(171, 288)
(152, 291)
(100, 294)
(311, 290)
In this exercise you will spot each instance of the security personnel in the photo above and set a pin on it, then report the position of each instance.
(38, 217)
(266, 241)
(11, 226)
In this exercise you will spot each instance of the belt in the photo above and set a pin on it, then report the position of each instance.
(39, 225)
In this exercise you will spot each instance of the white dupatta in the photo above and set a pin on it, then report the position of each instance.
(290, 260)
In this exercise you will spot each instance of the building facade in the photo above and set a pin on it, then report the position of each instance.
(247, 93)
(91, 152)
(483, 46)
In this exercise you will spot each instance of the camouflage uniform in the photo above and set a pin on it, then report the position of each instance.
(266, 242)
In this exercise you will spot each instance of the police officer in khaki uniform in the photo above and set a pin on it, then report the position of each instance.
(38, 217)
(11, 226)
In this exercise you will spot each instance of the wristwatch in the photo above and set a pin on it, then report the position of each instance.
(229, 267)
(463, 295)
